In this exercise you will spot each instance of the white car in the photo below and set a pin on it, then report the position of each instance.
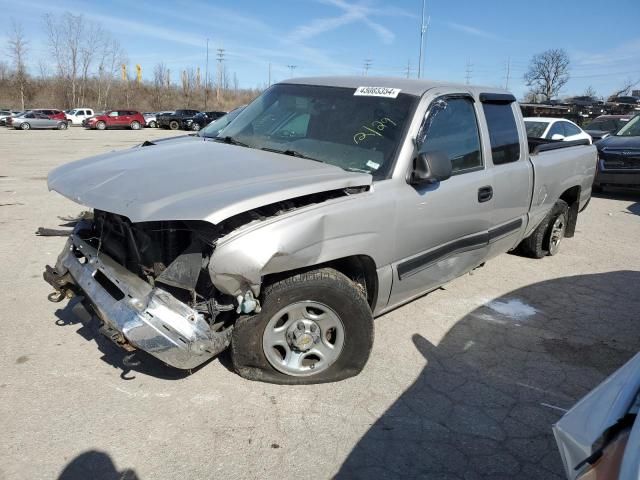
(77, 115)
(554, 129)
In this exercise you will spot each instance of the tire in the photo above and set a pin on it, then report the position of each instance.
(344, 332)
(25, 126)
(152, 124)
(545, 239)
(63, 126)
(174, 125)
(101, 126)
(195, 126)
(135, 125)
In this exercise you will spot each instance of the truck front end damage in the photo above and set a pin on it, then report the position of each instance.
(148, 284)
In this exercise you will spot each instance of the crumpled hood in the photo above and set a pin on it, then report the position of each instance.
(207, 181)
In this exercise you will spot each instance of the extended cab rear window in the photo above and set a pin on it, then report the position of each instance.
(503, 132)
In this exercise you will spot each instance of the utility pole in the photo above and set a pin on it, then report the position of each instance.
(206, 78)
(506, 85)
(423, 34)
(408, 68)
(468, 70)
(291, 69)
(367, 66)
(220, 58)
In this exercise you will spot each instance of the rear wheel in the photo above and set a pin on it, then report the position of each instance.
(152, 124)
(135, 125)
(195, 126)
(101, 125)
(314, 327)
(545, 239)
(62, 125)
(25, 126)
(174, 125)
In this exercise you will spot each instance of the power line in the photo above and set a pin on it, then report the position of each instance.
(367, 65)
(220, 59)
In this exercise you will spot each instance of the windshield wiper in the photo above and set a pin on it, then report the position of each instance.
(292, 153)
(231, 141)
(355, 169)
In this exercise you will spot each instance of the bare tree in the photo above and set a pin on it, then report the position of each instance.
(111, 57)
(590, 92)
(4, 71)
(160, 85)
(626, 87)
(17, 46)
(548, 72)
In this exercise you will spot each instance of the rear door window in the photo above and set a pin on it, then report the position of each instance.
(570, 129)
(503, 132)
(556, 129)
(451, 128)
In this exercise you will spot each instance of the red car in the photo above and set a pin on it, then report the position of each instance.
(117, 119)
(52, 113)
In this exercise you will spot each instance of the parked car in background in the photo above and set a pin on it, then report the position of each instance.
(626, 100)
(268, 238)
(116, 119)
(4, 114)
(201, 120)
(583, 101)
(175, 120)
(51, 113)
(554, 129)
(77, 115)
(619, 157)
(36, 120)
(605, 125)
(599, 437)
(150, 119)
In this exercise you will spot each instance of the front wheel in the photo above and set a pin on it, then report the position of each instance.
(62, 125)
(152, 124)
(195, 126)
(25, 126)
(314, 327)
(135, 125)
(174, 125)
(101, 126)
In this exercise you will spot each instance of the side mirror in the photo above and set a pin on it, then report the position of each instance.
(430, 167)
(557, 136)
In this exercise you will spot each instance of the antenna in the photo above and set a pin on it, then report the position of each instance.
(423, 33)
(408, 71)
(506, 85)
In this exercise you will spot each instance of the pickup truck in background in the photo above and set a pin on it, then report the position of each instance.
(323, 204)
(175, 120)
(78, 115)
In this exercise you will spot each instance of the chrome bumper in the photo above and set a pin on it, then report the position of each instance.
(148, 318)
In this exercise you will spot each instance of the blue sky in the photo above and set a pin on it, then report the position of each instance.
(323, 37)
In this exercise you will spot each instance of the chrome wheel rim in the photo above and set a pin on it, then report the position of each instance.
(557, 234)
(303, 339)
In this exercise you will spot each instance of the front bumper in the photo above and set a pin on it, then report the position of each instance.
(146, 317)
(623, 177)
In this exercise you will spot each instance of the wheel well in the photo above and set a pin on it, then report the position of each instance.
(572, 197)
(359, 268)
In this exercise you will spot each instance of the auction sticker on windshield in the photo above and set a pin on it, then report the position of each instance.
(377, 92)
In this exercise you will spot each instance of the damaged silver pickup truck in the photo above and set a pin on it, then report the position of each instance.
(323, 204)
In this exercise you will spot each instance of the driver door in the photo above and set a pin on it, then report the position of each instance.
(443, 227)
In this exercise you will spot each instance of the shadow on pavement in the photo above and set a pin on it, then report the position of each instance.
(95, 465)
(483, 406)
(128, 363)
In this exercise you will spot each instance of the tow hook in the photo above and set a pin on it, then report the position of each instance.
(56, 297)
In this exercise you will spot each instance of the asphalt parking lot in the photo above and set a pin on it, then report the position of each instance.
(463, 383)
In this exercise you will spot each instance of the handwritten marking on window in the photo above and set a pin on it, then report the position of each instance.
(368, 131)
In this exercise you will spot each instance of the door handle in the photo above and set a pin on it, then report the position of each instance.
(485, 193)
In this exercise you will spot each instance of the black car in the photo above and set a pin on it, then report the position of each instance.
(175, 120)
(583, 101)
(201, 120)
(619, 157)
(606, 125)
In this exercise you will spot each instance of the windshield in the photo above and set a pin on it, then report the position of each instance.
(216, 126)
(328, 124)
(536, 129)
(631, 129)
